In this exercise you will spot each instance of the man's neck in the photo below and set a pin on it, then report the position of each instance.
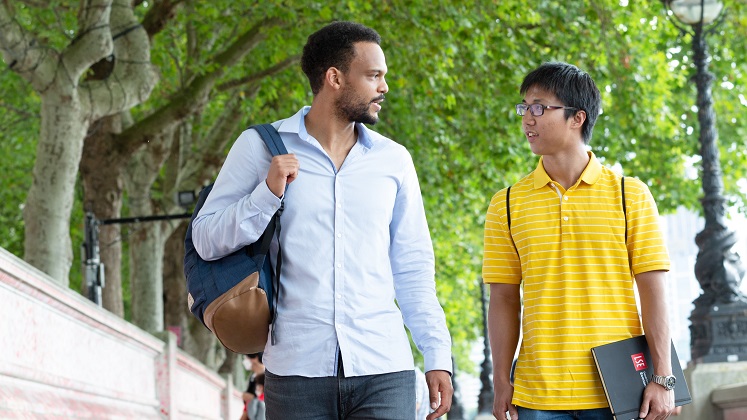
(567, 168)
(328, 129)
(336, 137)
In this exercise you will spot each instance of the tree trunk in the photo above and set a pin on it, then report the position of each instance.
(146, 266)
(47, 244)
(101, 175)
(204, 346)
(176, 312)
(147, 239)
(229, 364)
(196, 339)
(70, 103)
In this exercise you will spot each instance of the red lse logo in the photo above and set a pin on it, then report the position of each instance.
(639, 361)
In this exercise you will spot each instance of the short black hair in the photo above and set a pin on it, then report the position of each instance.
(255, 356)
(573, 86)
(333, 46)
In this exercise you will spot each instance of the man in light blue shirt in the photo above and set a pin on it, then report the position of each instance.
(357, 253)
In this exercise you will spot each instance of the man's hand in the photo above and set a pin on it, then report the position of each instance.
(283, 170)
(440, 391)
(502, 402)
(658, 403)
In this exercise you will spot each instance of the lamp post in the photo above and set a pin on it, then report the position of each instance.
(485, 399)
(456, 412)
(720, 312)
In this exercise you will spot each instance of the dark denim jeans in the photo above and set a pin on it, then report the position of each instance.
(389, 396)
(595, 414)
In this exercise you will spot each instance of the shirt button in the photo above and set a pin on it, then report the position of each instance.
(565, 218)
(339, 235)
(339, 205)
(565, 198)
(339, 296)
(339, 265)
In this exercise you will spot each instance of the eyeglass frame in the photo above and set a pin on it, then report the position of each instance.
(529, 107)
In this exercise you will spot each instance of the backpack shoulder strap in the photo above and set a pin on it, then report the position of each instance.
(271, 138)
(625, 211)
(273, 141)
(508, 216)
(508, 208)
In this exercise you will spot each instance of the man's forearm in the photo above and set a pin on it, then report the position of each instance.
(503, 328)
(652, 292)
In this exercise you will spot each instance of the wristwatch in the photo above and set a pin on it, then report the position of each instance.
(666, 381)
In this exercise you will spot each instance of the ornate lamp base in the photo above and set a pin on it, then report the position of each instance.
(718, 333)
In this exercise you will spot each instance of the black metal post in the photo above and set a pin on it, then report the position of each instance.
(722, 308)
(456, 412)
(93, 268)
(485, 399)
(713, 201)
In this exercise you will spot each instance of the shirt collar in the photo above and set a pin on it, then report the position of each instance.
(590, 175)
(297, 125)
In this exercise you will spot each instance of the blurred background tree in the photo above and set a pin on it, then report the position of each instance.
(454, 72)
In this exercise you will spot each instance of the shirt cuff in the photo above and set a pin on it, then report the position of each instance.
(264, 199)
(438, 359)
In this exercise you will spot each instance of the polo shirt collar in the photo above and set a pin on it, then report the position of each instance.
(590, 175)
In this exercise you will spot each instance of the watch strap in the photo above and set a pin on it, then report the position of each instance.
(667, 382)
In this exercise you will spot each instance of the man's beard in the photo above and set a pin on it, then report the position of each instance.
(349, 108)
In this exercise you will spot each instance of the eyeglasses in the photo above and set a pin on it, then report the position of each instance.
(537, 109)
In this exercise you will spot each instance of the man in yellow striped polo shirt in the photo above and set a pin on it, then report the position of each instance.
(567, 242)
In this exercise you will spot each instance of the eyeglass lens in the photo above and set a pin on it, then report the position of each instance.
(535, 109)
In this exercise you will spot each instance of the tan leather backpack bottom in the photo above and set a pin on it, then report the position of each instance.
(240, 318)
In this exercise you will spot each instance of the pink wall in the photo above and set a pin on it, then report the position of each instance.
(63, 357)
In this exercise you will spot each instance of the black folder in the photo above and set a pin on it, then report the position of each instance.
(625, 368)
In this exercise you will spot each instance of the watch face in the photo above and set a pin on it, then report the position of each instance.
(669, 382)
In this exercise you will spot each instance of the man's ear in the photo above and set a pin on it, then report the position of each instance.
(333, 78)
(578, 119)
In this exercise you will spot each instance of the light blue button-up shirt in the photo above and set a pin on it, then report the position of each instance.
(353, 241)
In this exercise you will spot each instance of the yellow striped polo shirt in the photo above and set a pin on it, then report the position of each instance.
(569, 253)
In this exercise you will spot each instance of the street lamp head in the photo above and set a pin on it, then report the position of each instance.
(693, 12)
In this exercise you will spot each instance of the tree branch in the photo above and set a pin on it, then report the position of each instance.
(38, 4)
(21, 112)
(192, 49)
(94, 41)
(245, 43)
(219, 135)
(159, 15)
(22, 52)
(193, 96)
(133, 78)
(199, 162)
(252, 78)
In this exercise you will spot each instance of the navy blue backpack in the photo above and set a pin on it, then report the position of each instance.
(236, 296)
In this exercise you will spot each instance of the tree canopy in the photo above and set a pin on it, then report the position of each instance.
(454, 72)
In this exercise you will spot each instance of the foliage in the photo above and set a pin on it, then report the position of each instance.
(20, 126)
(454, 72)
